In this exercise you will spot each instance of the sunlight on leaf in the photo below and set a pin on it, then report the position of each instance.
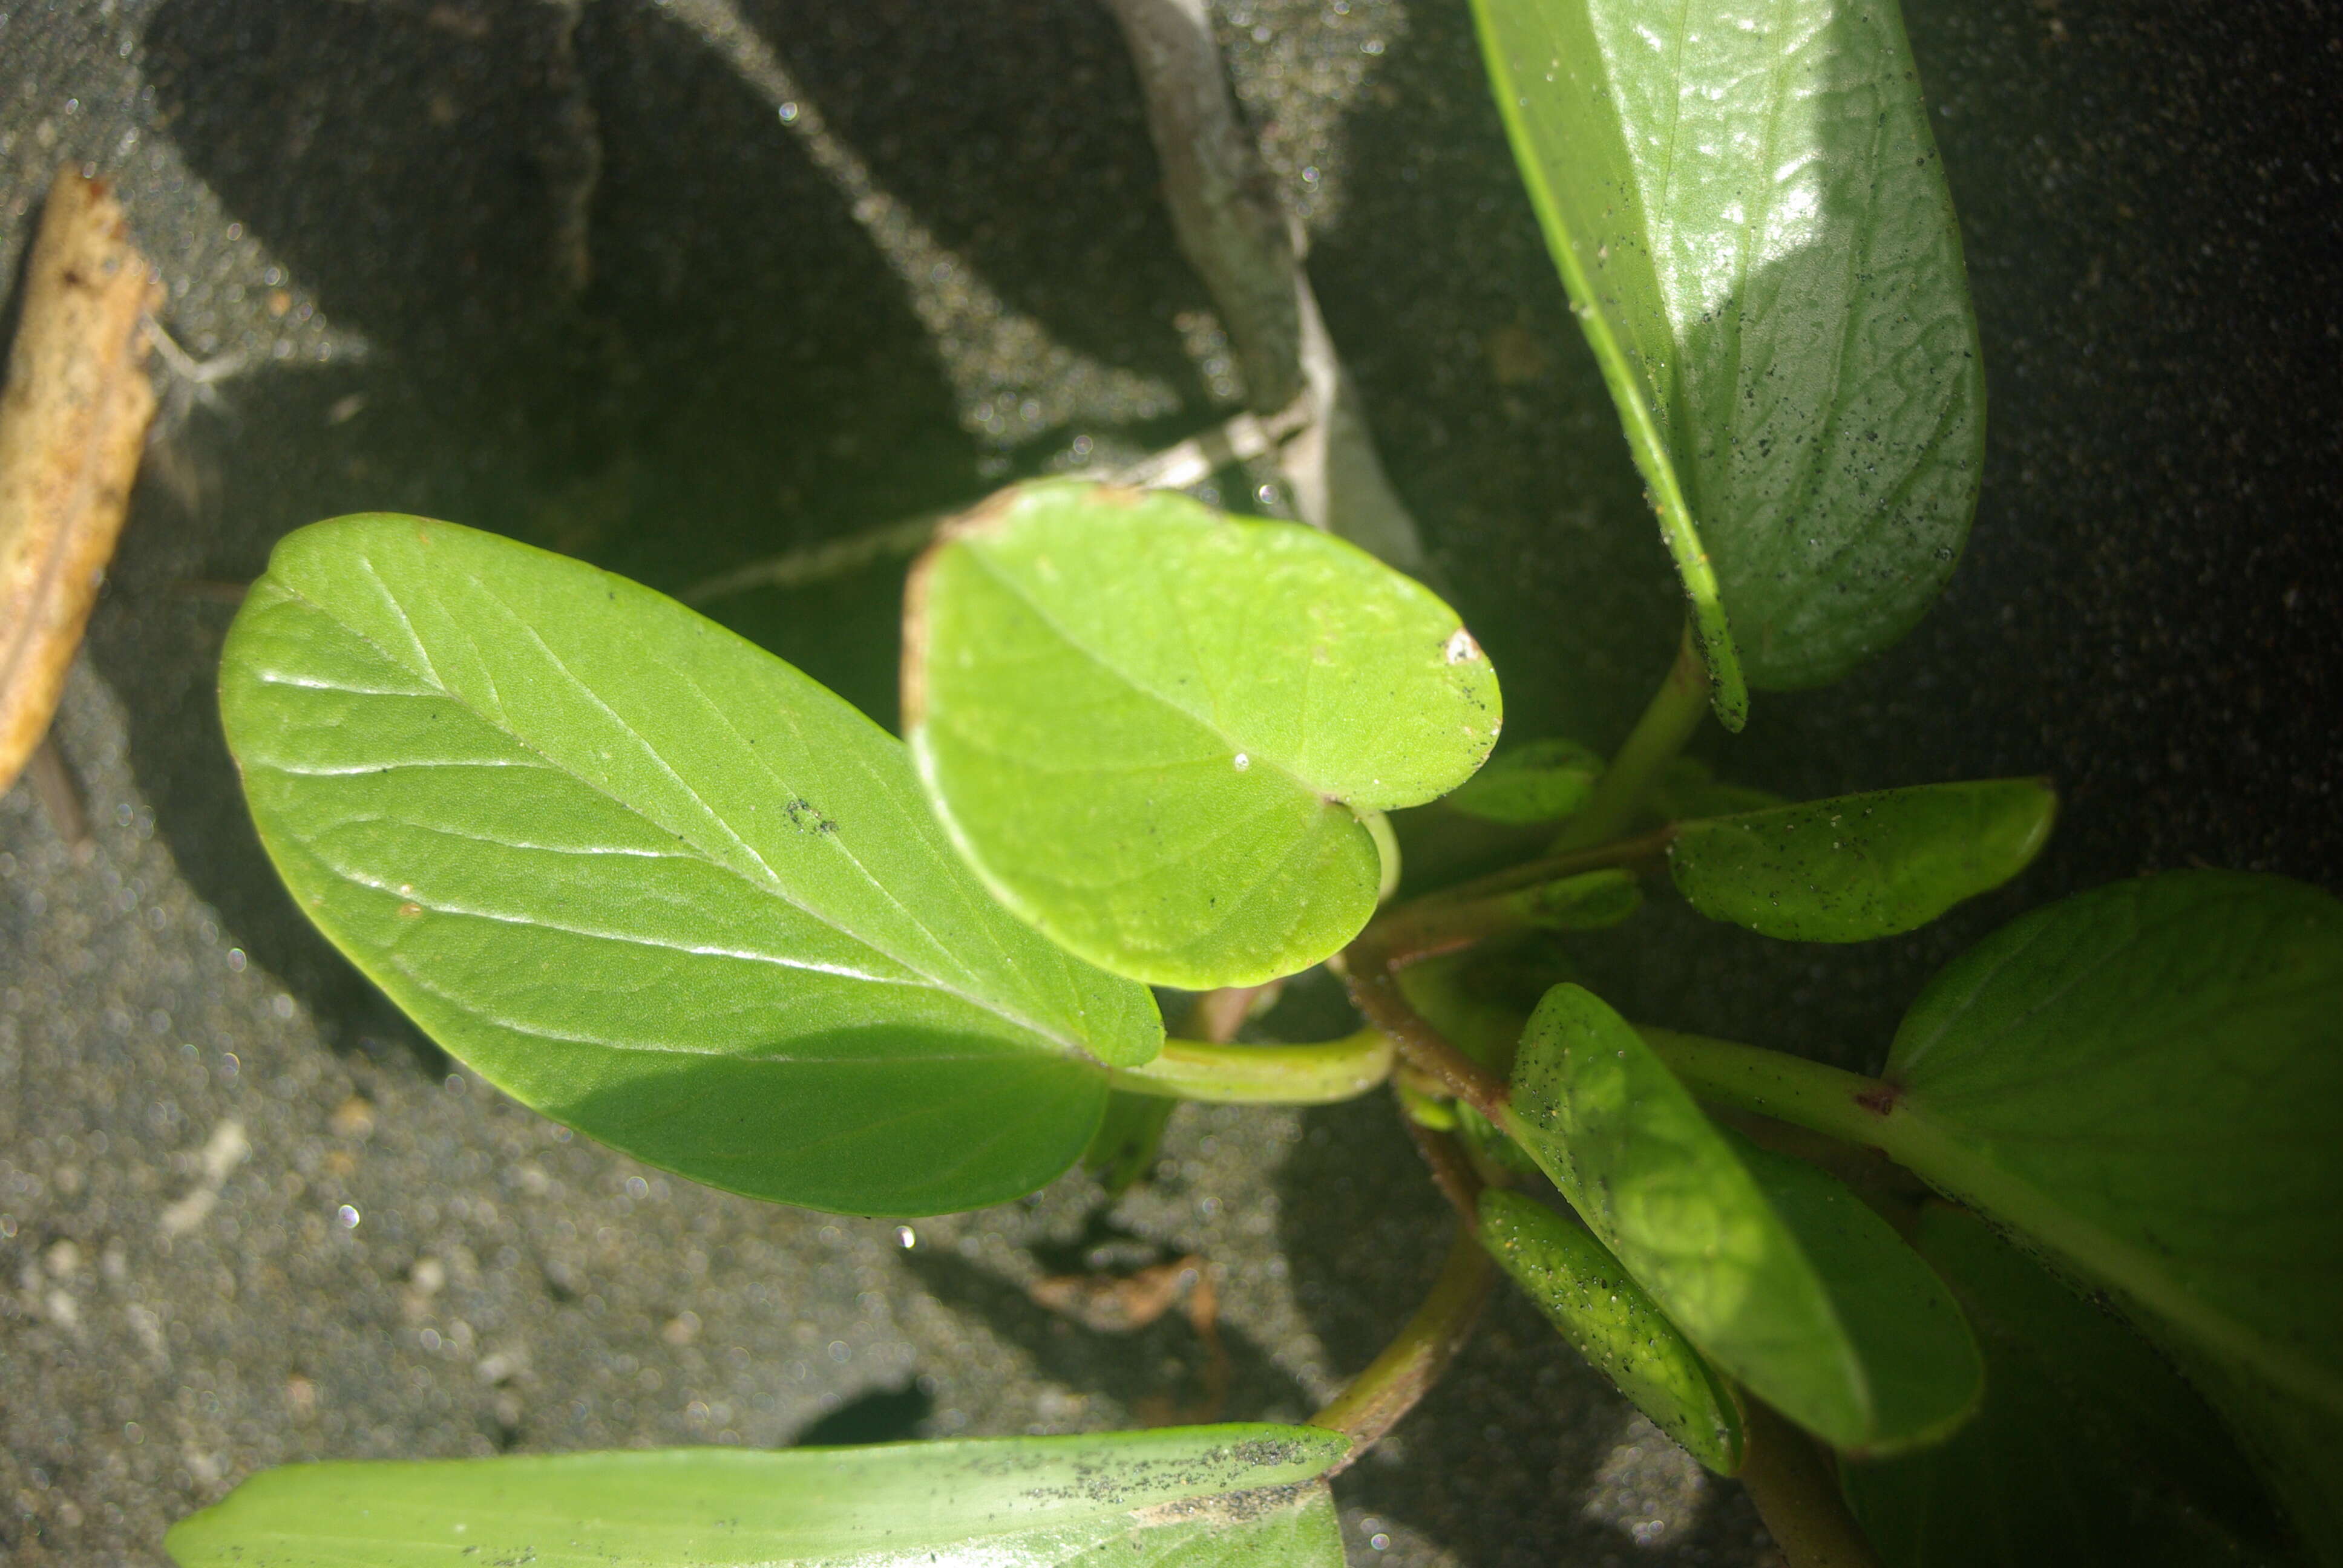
(1153, 729)
(1240, 1496)
(651, 880)
(1745, 206)
(1606, 1317)
(1780, 1277)
(1858, 867)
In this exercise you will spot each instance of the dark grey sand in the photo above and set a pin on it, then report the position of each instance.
(677, 287)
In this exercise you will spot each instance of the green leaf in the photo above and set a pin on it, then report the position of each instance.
(1200, 1497)
(2146, 1080)
(1918, 1353)
(1688, 788)
(650, 879)
(1861, 865)
(1778, 1274)
(1747, 210)
(1607, 1318)
(2088, 1448)
(1542, 781)
(1152, 728)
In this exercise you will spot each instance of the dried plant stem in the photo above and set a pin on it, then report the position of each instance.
(1224, 210)
(1237, 236)
(73, 421)
(60, 794)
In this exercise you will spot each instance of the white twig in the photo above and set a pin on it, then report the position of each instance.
(1175, 468)
(1239, 240)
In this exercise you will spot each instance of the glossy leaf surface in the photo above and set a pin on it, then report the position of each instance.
(1858, 867)
(1542, 781)
(1606, 1317)
(1200, 1497)
(1152, 728)
(2088, 1448)
(1745, 204)
(2147, 1080)
(1780, 1278)
(650, 879)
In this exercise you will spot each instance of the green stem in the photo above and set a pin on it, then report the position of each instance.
(1319, 1074)
(1413, 1360)
(1469, 912)
(1667, 723)
(1375, 990)
(1797, 1495)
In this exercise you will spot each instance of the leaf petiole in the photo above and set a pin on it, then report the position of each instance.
(1319, 1074)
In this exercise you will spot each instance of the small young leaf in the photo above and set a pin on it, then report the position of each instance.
(1779, 1277)
(2146, 1080)
(1152, 730)
(1483, 1026)
(1748, 213)
(1542, 781)
(1688, 788)
(1608, 1319)
(650, 879)
(1129, 1136)
(1861, 865)
(1586, 902)
(2088, 1447)
(1210, 1496)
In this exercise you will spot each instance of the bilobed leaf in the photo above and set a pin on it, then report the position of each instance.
(1542, 781)
(1858, 867)
(1778, 1276)
(650, 879)
(1152, 728)
(1606, 1317)
(2088, 1448)
(2146, 1080)
(1197, 1497)
(1745, 204)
